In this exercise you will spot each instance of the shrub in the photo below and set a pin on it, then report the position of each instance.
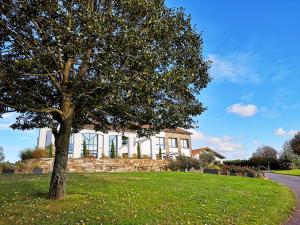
(39, 153)
(26, 154)
(239, 169)
(112, 151)
(184, 162)
(6, 165)
(50, 151)
(206, 158)
(20, 165)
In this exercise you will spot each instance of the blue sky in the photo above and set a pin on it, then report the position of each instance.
(256, 69)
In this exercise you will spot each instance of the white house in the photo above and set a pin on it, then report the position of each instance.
(197, 152)
(171, 141)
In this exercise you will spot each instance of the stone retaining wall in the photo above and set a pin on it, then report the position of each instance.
(102, 165)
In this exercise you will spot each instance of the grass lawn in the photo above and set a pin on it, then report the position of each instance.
(145, 198)
(288, 172)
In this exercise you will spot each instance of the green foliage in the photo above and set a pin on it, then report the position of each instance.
(206, 158)
(265, 154)
(195, 197)
(26, 154)
(239, 169)
(183, 162)
(2, 156)
(50, 151)
(160, 153)
(39, 153)
(68, 47)
(112, 150)
(288, 158)
(139, 154)
(295, 143)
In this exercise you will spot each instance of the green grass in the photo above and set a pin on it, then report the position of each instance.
(288, 172)
(145, 198)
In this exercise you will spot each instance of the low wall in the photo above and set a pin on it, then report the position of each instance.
(102, 165)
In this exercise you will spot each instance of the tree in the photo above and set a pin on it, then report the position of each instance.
(160, 153)
(295, 143)
(121, 64)
(139, 154)
(206, 158)
(265, 154)
(112, 151)
(288, 159)
(2, 156)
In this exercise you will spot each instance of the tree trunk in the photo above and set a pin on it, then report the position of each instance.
(58, 180)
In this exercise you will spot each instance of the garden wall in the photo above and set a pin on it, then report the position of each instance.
(101, 165)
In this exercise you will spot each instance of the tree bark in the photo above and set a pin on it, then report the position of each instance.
(58, 180)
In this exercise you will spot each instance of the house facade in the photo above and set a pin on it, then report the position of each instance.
(197, 152)
(172, 142)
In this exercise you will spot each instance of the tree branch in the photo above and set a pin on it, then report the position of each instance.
(38, 110)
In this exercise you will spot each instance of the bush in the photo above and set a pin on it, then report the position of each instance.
(239, 169)
(6, 165)
(184, 162)
(26, 154)
(206, 158)
(39, 153)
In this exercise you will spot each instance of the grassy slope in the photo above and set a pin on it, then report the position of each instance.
(145, 198)
(288, 172)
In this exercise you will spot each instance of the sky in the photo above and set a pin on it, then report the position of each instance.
(253, 98)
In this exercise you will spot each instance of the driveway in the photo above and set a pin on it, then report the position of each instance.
(294, 183)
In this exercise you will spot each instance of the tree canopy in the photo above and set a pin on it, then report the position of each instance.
(295, 143)
(124, 64)
(265, 152)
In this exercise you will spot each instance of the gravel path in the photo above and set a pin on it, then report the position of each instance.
(294, 183)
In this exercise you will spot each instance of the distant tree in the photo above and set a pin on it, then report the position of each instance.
(206, 158)
(287, 158)
(2, 156)
(139, 154)
(265, 154)
(295, 143)
(123, 64)
(160, 153)
(112, 150)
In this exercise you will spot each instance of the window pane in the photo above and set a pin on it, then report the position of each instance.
(113, 139)
(184, 143)
(173, 142)
(91, 141)
(160, 143)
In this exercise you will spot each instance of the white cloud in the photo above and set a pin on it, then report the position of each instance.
(225, 145)
(243, 110)
(280, 132)
(197, 135)
(237, 67)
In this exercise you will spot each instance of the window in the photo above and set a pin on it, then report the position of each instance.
(160, 143)
(124, 140)
(184, 143)
(91, 141)
(113, 139)
(173, 142)
(71, 146)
